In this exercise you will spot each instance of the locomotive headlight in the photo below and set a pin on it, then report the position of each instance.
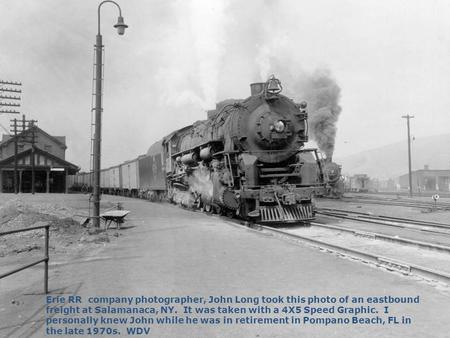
(279, 126)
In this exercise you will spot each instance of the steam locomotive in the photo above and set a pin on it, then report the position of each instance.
(247, 159)
(334, 181)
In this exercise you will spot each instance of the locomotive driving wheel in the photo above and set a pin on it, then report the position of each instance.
(207, 207)
(198, 204)
(217, 210)
(230, 213)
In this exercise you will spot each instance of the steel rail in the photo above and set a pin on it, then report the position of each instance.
(423, 205)
(392, 218)
(404, 225)
(389, 263)
(396, 199)
(384, 237)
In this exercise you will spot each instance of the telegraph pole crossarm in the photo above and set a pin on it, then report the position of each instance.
(9, 111)
(13, 87)
(14, 83)
(9, 97)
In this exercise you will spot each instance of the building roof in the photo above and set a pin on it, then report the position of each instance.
(431, 170)
(443, 172)
(61, 140)
(9, 162)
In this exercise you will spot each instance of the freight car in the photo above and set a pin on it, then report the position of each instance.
(129, 178)
(80, 182)
(152, 174)
(358, 183)
(246, 159)
(111, 181)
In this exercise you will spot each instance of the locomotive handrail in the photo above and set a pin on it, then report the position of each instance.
(45, 259)
(227, 152)
(193, 148)
(228, 159)
(279, 175)
(266, 151)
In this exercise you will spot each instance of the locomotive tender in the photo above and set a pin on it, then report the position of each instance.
(247, 159)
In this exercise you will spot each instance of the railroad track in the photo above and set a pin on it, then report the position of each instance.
(434, 269)
(398, 222)
(390, 263)
(384, 237)
(442, 206)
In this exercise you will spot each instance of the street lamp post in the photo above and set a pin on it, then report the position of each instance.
(120, 25)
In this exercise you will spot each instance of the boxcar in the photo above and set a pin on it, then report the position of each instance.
(115, 180)
(152, 176)
(104, 180)
(130, 179)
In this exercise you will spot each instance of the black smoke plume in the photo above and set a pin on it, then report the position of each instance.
(322, 94)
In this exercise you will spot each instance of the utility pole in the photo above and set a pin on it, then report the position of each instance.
(33, 141)
(19, 135)
(408, 117)
(10, 100)
(16, 151)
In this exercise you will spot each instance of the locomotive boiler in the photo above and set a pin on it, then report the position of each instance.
(247, 159)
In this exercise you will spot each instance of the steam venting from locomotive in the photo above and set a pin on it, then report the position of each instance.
(200, 182)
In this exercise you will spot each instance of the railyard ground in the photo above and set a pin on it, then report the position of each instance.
(425, 214)
(163, 250)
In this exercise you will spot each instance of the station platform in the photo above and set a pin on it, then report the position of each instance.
(164, 250)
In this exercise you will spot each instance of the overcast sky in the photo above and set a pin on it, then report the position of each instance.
(178, 58)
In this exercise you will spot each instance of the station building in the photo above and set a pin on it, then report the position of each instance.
(50, 167)
(427, 180)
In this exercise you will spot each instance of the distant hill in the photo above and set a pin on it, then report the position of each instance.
(391, 161)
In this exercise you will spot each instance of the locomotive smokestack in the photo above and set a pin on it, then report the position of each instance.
(257, 88)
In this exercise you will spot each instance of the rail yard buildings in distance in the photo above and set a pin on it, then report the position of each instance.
(424, 181)
(49, 165)
(427, 180)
